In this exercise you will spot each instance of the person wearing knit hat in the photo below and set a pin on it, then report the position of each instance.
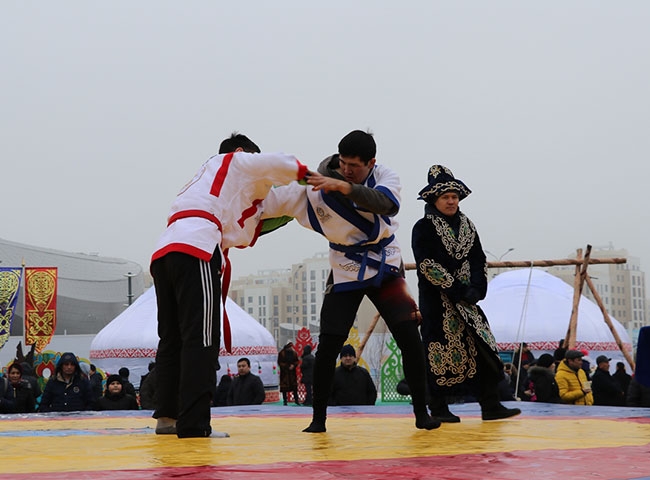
(348, 351)
(452, 278)
(115, 396)
(638, 393)
(353, 384)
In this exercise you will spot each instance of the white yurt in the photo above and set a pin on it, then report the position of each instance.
(131, 340)
(533, 306)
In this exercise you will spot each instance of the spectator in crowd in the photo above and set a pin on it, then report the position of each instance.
(352, 383)
(560, 351)
(115, 396)
(30, 376)
(513, 375)
(571, 380)
(247, 388)
(622, 377)
(221, 393)
(605, 388)
(307, 371)
(524, 352)
(147, 389)
(586, 363)
(638, 393)
(128, 386)
(522, 382)
(150, 367)
(4, 386)
(67, 390)
(541, 377)
(506, 393)
(18, 396)
(288, 361)
(95, 378)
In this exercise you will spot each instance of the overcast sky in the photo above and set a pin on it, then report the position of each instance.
(542, 108)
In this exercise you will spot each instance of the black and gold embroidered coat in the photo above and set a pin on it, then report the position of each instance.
(452, 278)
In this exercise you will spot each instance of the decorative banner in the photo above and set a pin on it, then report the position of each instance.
(40, 306)
(9, 286)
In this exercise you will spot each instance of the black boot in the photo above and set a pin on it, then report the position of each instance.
(424, 422)
(440, 411)
(498, 412)
(491, 408)
(315, 427)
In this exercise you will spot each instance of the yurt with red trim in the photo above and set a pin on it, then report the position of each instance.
(131, 341)
(533, 306)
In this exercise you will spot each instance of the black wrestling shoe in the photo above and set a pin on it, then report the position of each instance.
(425, 422)
(315, 427)
(195, 433)
(499, 413)
(445, 416)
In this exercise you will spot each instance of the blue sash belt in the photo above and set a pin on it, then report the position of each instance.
(359, 253)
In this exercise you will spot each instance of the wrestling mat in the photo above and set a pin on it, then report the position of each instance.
(546, 441)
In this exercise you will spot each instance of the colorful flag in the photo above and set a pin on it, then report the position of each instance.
(9, 286)
(40, 306)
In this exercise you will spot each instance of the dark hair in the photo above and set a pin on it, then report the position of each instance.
(17, 366)
(358, 144)
(237, 140)
(244, 359)
(93, 368)
(124, 372)
(306, 350)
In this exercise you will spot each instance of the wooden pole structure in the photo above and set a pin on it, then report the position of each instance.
(581, 276)
(576, 279)
(608, 321)
(542, 263)
(372, 326)
(578, 285)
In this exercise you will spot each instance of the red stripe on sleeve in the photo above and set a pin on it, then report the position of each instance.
(220, 178)
(249, 212)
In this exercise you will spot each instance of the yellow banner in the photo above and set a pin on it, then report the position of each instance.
(40, 305)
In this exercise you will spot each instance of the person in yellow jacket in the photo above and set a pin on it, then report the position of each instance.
(572, 380)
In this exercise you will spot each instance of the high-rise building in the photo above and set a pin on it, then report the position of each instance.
(285, 300)
(620, 286)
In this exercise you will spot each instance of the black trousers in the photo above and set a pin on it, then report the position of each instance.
(399, 311)
(188, 293)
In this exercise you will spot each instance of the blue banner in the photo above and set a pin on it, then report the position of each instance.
(9, 287)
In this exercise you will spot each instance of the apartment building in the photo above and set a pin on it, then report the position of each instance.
(285, 300)
(620, 286)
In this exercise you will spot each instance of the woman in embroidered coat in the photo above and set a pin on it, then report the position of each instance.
(452, 278)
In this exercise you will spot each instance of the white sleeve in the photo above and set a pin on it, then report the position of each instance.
(278, 168)
(289, 200)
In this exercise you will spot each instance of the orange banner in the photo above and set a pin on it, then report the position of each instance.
(40, 306)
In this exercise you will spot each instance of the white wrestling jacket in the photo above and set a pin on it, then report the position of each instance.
(221, 206)
(363, 247)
